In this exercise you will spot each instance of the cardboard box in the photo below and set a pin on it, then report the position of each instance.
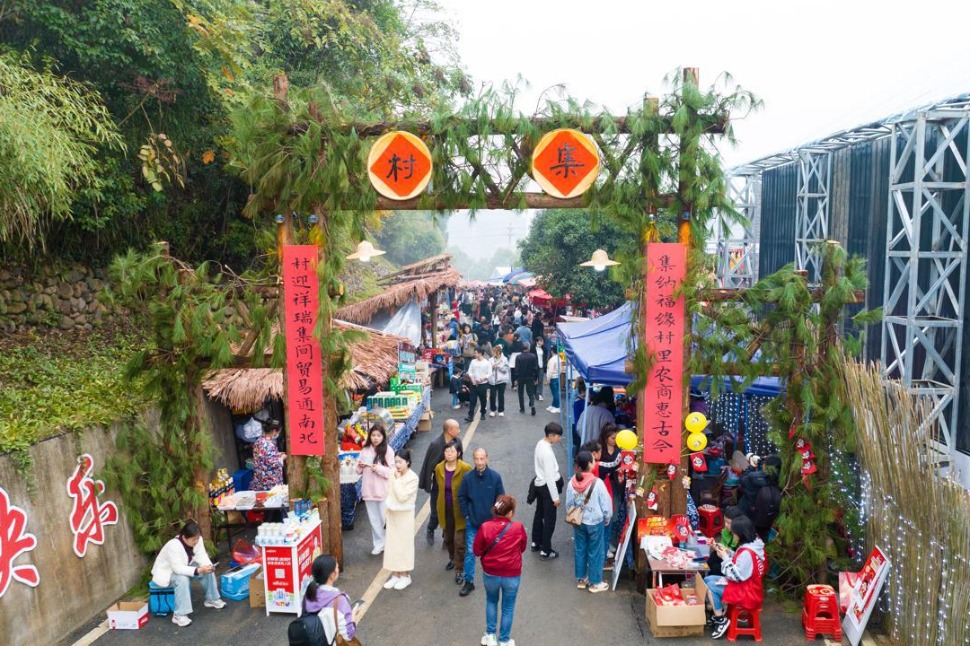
(678, 621)
(234, 584)
(128, 615)
(257, 591)
(425, 421)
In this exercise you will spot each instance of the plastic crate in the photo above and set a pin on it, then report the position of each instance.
(235, 583)
(241, 479)
(161, 601)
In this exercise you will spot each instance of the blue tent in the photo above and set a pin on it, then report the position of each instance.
(597, 349)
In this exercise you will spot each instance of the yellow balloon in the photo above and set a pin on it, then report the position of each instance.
(626, 439)
(696, 442)
(695, 422)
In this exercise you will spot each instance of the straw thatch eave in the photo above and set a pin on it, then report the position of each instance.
(396, 296)
(373, 358)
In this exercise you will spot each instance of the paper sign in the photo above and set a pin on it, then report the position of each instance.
(865, 592)
(663, 397)
(304, 370)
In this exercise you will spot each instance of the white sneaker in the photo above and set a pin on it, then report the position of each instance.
(456, 407)
(391, 582)
(603, 586)
(540, 398)
(510, 642)
(611, 553)
(501, 414)
(489, 639)
(377, 550)
(491, 414)
(402, 583)
(553, 410)
(218, 604)
(181, 620)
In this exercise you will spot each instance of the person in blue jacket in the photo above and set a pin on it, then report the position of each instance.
(476, 496)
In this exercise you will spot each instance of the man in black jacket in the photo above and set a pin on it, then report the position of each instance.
(434, 455)
(527, 373)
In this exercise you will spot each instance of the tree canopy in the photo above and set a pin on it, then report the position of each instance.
(167, 75)
(560, 239)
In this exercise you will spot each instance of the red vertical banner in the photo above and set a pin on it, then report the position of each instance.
(663, 396)
(304, 371)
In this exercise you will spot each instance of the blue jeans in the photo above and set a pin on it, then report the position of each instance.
(454, 401)
(470, 532)
(554, 389)
(588, 552)
(183, 594)
(509, 586)
(716, 589)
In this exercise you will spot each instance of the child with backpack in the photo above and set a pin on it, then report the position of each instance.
(323, 598)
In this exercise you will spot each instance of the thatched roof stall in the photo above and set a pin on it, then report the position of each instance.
(374, 357)
(413, 285)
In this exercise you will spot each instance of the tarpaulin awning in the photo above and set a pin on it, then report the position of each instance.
(597, 348)
(542, 298)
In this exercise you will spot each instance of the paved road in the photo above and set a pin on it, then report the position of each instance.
(550, 610)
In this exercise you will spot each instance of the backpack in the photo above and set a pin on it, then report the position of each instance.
(766, 506)
(307, 630)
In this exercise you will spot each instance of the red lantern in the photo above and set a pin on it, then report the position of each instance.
(698, 462)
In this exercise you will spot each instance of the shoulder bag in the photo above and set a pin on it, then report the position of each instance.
(574, 515)
(497, 539)
(338, 640)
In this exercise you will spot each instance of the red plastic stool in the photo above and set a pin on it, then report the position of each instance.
(711, 520)
(752, 619)
(820, 613)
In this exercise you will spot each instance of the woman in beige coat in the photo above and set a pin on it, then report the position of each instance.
(402, 491)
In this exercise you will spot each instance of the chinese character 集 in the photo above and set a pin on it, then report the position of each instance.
(567, 163)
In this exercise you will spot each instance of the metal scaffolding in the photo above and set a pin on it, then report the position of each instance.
(926, 263)
(737, 257)
(812, 211)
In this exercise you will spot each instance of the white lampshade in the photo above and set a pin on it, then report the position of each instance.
(365, 251)
(599, 261)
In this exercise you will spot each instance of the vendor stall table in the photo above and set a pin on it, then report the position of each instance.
(659, 567)
(232, 528)
(287, 568)
(350, 492)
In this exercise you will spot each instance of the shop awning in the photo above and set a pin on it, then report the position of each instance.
(597, 348)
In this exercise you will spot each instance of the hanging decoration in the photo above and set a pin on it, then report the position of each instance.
(695, 422)
(626, 440)
(672, 470)
(698, 462)
(696, 442)
(565, 163)
(399, 165)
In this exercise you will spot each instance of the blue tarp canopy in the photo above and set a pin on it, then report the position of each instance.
(598, 350)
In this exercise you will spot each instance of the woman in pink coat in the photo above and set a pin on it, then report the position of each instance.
(376, 464)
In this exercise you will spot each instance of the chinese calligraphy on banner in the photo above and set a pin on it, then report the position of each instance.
(14, 541)
(88, 516)
(663, 399)
(304, 369)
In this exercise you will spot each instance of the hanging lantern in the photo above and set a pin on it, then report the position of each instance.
(809, 467)
(695, 422)
(696, 442)
(626, 440)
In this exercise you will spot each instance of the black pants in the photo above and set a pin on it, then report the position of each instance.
(479, 395)
(496, 393)
(433, 518)
(529, 386)
(544, 521)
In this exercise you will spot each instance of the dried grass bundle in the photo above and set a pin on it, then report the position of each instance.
(921, 520)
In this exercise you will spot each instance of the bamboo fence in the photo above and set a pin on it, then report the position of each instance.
(920, 519)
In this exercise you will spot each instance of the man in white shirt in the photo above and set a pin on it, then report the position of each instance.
(548, 484)
(479, 371)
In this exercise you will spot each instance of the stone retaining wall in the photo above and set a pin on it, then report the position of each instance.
(64, 297)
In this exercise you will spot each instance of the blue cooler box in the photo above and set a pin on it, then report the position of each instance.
(161, 601)
(234, 584)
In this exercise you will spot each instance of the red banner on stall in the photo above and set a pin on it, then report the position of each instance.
(304, 371)
(663, 396)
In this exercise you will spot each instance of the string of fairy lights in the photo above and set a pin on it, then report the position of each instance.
(734, 410)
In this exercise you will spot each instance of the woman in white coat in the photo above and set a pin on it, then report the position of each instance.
(402, 492)
(497, 381)
(181, 560)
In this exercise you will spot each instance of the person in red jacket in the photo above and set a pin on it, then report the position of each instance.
(500, 543)
(743, 570)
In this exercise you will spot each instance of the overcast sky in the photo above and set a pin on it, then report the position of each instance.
(819, 66)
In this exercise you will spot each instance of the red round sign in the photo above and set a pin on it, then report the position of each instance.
(399, 165)
(565, 163)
